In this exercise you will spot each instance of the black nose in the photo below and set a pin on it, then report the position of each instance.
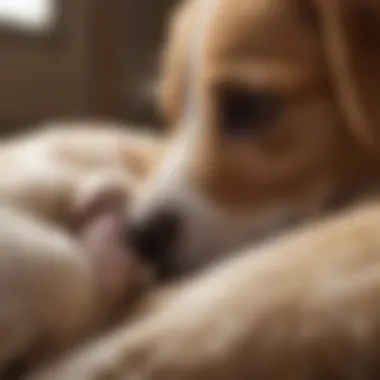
(154, 236)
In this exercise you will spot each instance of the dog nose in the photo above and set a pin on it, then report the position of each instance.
(154, 236)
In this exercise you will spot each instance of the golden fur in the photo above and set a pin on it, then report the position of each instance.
(321, 148)
(304, 305)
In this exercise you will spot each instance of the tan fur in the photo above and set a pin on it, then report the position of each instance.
(322, 147)
(268, 46)
(304, 305)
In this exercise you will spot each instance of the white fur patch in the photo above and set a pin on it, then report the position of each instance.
(208, 230)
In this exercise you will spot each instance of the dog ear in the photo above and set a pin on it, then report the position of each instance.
(351, 35)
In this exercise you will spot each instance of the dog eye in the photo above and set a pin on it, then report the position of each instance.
(246, 112)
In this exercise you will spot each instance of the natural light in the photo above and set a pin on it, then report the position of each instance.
(30, 15)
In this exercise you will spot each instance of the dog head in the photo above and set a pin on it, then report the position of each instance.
(275, 108)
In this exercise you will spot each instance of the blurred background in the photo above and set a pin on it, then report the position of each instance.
(79, 58)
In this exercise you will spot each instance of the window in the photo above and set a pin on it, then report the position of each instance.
(32, 16)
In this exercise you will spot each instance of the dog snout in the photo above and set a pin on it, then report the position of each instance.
(154, 236)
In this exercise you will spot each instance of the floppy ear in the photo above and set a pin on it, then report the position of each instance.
(351, 33)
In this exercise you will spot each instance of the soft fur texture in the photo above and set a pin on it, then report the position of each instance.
(63, 271)
(321, 147)
(304, 305)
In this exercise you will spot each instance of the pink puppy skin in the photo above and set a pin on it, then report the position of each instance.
(117, 271)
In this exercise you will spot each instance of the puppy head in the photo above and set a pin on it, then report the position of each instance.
(275, 108)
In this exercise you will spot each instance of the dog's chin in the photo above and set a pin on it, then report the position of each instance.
(210, 231)
(207, 241)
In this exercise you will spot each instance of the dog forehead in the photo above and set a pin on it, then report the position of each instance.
(231, 28)
(259, 27)
(228, 31)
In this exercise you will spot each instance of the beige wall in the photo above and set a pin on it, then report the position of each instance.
(48, 77)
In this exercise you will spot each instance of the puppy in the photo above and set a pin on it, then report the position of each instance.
(276, 111)
(65, 267)
(276, 103)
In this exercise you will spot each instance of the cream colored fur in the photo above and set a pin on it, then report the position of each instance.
(48, 178)
(304, 305)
